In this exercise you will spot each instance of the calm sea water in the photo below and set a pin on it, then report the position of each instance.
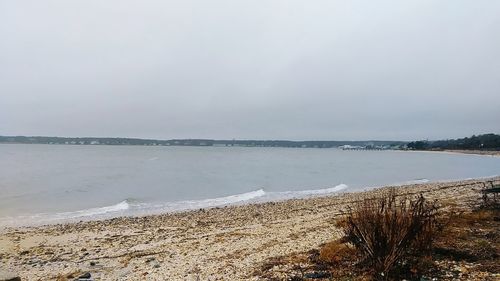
(53, 183)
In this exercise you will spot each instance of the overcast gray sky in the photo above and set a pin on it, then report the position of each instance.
(269, 69)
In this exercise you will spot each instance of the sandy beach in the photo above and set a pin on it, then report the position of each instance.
(477, 152)
(227, 243)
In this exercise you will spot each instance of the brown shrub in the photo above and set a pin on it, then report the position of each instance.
(335, 252)
(387, 231)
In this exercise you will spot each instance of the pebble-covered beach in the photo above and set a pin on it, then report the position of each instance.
(227, 243)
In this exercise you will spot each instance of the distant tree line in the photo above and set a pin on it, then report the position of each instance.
(308, 144)
(196, 142)
(480, 142)
(102, 141)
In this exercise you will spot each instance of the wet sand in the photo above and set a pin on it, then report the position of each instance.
(226, 243)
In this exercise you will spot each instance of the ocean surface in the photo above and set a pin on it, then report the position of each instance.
(42, 184)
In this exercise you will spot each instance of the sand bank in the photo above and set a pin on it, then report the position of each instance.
(477, 152)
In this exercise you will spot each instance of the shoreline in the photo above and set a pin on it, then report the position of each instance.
(495, 153)
(83, 219)
(209, 244)
(492, 153)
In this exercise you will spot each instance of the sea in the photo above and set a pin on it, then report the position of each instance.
(47, 184)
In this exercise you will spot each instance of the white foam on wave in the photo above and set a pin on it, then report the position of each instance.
(122, 206)
(416, 181)
(47, 218)
(256, 196)
(317, 191)
(292, 194)
(231, 199)
(198, 204)
(128, 207)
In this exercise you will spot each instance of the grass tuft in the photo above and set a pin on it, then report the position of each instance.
(389, 231)
(335, 252)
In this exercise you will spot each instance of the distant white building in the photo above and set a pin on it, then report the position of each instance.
(350, 147)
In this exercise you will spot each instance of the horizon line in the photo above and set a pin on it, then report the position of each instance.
(207, 139)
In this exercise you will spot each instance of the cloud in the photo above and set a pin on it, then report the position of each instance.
(247, 69)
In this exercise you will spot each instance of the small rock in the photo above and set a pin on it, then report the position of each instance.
(92, 263)
(9, 276)
(86, 275)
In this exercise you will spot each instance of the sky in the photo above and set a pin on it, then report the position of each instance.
(298, 70)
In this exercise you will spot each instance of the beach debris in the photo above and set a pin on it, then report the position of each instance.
(85, 277)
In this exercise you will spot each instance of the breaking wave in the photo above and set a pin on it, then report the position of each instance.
(316, 191)
(47, 218)
(130, 207)
(122, 206)
(197, 204)
(415, 181)
(256, 196)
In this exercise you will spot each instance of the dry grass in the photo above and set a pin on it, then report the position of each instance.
(335, 252)
(388, 230)
(472, 237)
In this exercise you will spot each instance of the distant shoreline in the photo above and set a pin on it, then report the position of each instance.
(476, 152)
(488, 144)
(495, 153)
(375, 144)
